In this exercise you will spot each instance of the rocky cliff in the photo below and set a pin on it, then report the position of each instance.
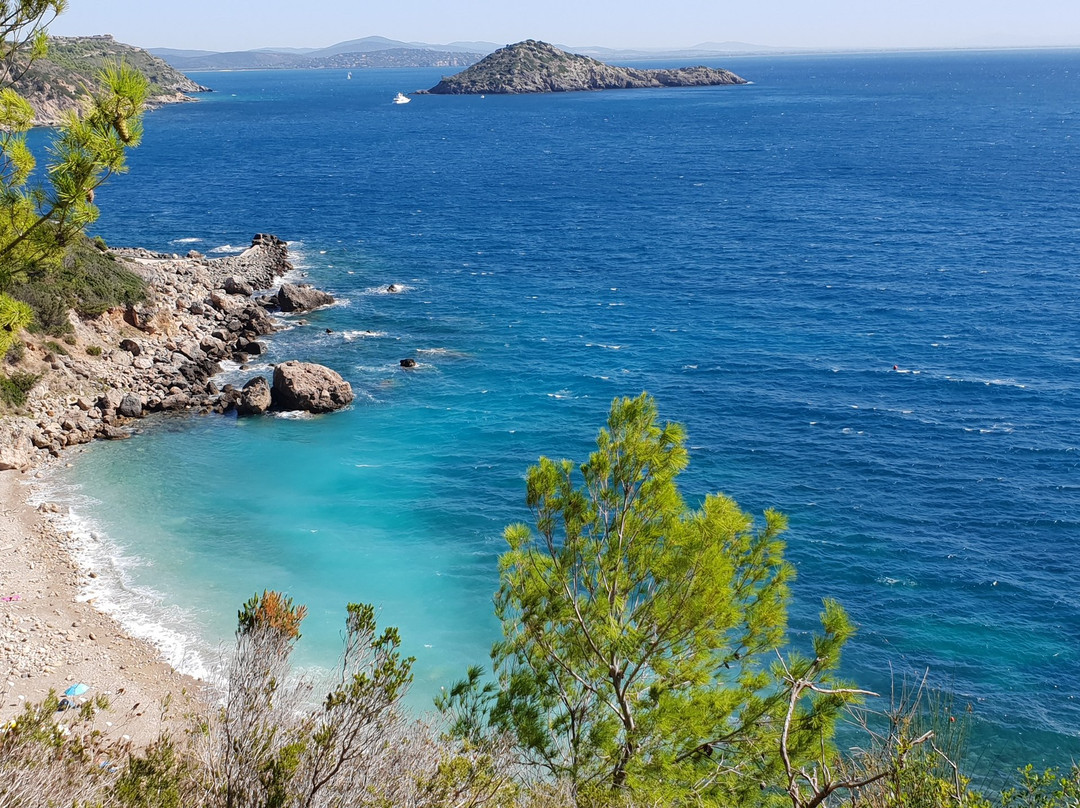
(537, 67)
(68, 74)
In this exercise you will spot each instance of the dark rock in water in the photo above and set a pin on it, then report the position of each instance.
(252, 347)
(309, 387)
(267, 240)
(408, 363)
(131, 346)
(537, 67)
(130, 406)
(301, 298)
(393, 289)
(255, 398)
(238, 286)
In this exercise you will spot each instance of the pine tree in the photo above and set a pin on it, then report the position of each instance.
(640, 652)
(39, 219)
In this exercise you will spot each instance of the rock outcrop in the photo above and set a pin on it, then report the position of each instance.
(537, 67)
(158, 355)
(309, 387)
(290, 298)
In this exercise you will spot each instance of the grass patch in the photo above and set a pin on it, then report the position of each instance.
(93, 350)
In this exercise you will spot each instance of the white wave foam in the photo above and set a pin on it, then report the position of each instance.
(446, 353)
(227, 248)
(191, 240)
(988, 382)
(885, 579)
(140, 610)
(349, 336)
(389, 289)
(294, 415)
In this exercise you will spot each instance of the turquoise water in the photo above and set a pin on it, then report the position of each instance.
(758, 258)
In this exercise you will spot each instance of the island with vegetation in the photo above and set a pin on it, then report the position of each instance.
(537, 67)
(69, 71)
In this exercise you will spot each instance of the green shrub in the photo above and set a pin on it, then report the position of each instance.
(93, 350)
(88, 280)
(56, 347)
(15, 388)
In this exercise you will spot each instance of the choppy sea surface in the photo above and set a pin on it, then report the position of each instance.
(759, 258)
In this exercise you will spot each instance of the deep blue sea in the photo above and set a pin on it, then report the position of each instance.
(759, 258)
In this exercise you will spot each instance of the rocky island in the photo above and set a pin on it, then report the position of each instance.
(537, 67)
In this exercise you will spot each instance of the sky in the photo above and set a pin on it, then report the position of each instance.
(222, 25)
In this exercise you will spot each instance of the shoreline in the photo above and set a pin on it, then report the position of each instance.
(159, 355)
(52, 637)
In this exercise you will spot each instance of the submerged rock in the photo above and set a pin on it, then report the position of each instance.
(310, 387)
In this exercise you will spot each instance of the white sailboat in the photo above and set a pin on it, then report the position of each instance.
(401, 99)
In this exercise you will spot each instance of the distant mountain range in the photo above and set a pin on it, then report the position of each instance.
(377, 51)
(372, 51)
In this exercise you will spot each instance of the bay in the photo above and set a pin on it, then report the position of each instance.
(759, 258)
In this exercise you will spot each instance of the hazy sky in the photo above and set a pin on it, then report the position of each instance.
(244, 24)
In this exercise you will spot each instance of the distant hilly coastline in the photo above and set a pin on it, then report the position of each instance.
(354, 54)
(377, 51)
(537, 67)
(68, 74)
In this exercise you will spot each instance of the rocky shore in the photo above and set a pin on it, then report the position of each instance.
(162, 354)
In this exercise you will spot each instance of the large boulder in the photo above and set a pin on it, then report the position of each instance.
(130, 406)
(310, 387)
(238, 286)
(301, 298)
(255, 398)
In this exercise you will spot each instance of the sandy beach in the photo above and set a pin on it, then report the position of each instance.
(52, 638)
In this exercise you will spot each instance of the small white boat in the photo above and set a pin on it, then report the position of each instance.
(401, 99)
(349, 75)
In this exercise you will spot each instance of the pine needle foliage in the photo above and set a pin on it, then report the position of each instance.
(39, 218)
(639, 658)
